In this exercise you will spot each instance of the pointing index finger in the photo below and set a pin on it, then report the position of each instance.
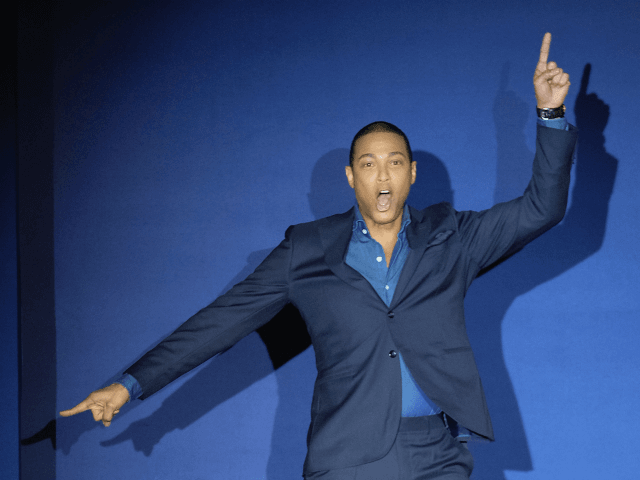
(544, 49)
(81, 407)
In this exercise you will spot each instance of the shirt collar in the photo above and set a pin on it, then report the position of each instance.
(361, 231)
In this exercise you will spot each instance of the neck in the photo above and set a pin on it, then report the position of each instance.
(383, 231)
(385, 234)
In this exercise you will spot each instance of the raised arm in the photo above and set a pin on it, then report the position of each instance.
(493, 234)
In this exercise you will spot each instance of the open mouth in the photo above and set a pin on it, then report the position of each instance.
(384, 201)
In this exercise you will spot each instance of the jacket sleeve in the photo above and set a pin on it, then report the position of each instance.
(217, 327)
(494, 234)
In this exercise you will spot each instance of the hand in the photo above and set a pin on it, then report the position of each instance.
(103, 403)
(551, 84)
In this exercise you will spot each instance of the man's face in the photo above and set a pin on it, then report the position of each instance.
(381, 176)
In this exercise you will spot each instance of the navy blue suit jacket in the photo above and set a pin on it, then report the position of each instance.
(357, 396)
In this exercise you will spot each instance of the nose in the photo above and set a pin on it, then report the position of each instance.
(383, 173)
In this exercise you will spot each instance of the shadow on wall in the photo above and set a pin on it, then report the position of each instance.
(578, 237)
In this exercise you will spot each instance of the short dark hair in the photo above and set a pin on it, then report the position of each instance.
(377, 127)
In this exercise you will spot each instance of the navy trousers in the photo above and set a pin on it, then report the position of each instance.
(424, 450)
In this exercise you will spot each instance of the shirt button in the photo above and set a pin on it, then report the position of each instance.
(379, 259)
(386, 287)
(393, 354)
(364, 230)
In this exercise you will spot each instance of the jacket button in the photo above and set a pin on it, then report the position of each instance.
(391, 314)
(393, 354)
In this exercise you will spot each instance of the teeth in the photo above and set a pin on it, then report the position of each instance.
(384, 191)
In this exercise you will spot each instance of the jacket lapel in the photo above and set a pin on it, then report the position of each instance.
(335, 234)
(427, 229)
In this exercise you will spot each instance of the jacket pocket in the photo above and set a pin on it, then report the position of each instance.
(439, 238)
(465, 348)
(336, 374)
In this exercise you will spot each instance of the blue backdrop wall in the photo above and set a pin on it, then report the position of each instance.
(188, 135)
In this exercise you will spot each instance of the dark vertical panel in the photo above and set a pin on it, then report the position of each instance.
(8, 264)
(35, 241)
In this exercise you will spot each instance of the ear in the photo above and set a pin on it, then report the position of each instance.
(413, 172)
(349, 172)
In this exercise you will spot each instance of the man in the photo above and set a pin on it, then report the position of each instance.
(381, 289)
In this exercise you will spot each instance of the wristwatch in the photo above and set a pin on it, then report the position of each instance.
(551, 113)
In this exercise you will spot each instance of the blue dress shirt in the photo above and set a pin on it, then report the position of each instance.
(366, 256)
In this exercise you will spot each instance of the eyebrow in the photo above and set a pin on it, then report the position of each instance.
(371, 155)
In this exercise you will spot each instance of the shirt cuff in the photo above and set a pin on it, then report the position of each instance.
(559, 123)
(131, 384)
